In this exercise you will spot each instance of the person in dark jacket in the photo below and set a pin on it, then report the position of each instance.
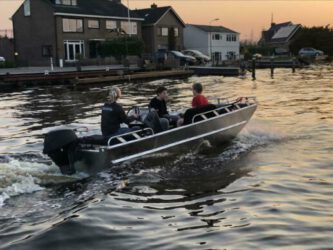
(158, 103)
(113, 115)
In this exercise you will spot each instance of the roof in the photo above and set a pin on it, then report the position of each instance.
(104, 8)
(153, 15)
(209, 28)
(280, 33)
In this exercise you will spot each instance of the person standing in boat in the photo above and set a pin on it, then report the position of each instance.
(113, 115)
(199, 99)
(158, 103)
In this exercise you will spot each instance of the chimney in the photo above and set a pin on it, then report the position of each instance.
(153, 6)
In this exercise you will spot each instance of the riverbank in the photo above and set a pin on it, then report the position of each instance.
(21, 77)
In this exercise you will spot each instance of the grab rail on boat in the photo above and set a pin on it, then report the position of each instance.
(220, 100)
(227, 108)
(122, 138)
(214, 112)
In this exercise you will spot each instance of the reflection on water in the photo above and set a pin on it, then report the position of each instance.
(270, 188)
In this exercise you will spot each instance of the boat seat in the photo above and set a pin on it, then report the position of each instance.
(190, 113)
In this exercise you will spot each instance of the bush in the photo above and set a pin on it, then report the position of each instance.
(7, 64)
(122, 46)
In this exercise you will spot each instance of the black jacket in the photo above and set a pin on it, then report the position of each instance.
(112, 116)
(159, 106)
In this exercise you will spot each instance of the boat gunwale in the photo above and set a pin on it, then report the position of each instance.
(166, 146)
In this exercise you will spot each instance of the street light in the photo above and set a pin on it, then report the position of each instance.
(210, 37)
(129, 19)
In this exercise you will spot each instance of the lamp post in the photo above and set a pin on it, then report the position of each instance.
(210, 37)
(129, 19)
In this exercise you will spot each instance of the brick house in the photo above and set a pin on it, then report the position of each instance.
(279, 36)
(162, 28)
(67, 29)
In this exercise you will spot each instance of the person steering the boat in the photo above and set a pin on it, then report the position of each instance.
(113, 115)
(158, 103)
(199, 99)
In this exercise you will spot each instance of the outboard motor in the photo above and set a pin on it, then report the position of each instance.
(60, 146)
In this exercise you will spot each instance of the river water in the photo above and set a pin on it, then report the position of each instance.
(270, 188)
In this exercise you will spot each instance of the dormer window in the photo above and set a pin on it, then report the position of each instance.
(66, 2)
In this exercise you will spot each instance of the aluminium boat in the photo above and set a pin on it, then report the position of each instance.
(217, 123)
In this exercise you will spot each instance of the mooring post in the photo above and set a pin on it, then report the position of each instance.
(51, 63)
(272, 67)
(294, 65)
(253, 68)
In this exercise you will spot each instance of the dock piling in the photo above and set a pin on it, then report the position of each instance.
(272, 67)
(294, 65)
(253, 69)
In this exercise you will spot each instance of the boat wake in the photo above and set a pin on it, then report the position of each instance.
(20, 175)
(254, 136)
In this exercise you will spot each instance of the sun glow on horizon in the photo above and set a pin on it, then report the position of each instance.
(246, 17)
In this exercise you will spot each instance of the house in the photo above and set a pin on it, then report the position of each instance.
(218, 42)
(162, 28)
(279, 36)
(67, 29)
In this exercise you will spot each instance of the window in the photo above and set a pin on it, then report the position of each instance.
(217, 57)
(164, 31)
(216, 37)
(231, 55)
(231, 38)
(72, 25)
(67, 2)
(93, 24)
(95, 49)
(176, 32)
(129, 27)
(47, 50)
(110, 24)
(73, 50)
(26, 6)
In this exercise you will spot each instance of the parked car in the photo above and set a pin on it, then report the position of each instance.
(183, 59)
(310, 52)
(2, 59)
(201, 58)
(257, 56)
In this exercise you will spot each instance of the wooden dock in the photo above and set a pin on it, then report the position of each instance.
(88, 77)
(215, 71)
(266, 63)
(138, 76)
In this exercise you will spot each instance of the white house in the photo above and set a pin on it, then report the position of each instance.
(217, 41)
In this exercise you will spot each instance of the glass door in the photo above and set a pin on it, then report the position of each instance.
(73, 49)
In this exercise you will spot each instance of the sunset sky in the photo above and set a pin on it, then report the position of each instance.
(247, 17)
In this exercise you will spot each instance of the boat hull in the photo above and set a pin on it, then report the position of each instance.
(216, 130)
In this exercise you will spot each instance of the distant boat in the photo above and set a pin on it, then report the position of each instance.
(216, 123)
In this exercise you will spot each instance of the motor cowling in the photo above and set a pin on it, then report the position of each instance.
(60, 146)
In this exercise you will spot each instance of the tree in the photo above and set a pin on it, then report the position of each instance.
(317, 37)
